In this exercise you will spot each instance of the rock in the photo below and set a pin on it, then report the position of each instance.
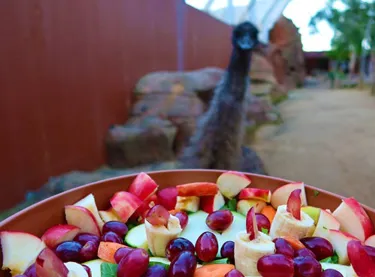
(141, 141)
(261, 69)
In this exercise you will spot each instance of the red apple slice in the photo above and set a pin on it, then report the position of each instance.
(109, 215)
(361, 261)
(125, 204)
(59, 233)
(197, 189)
(293, 205)
(82, 218)
(370, 241)
(353, 219)
(326, 222)
(339, 241)
(212, 203)
(251, 224)
(143, 186)
(49, 265)
(243, 206)
(89, 203)
(281, 194)
(256, 194)
(168, 197)
(187, 203)
(230, 183)
(19, 250)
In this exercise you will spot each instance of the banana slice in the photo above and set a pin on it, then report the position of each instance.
(284, 224)
(159, 236)
(247, 252)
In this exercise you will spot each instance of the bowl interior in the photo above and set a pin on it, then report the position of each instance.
(37, 218)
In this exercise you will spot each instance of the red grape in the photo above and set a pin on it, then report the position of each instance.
(262, 222)
(156, 271)
(206, 247)
(293, 204)
(331, 273)
(121, 253)
(88, 270)
(168, 197)
(176, 246)
(85, 237)
(227, 251)
(219, 220)
(88, 252)
(321, 247)
(112, 237)
(117, 227)
(31, 271)
(307, 267)
(183, 265)
(68, 251)
(135, 264)
(303, 252)
(234, 273)
(283, 247)
(183, 217)
(158, 216)
(275, 265)
(251, 224)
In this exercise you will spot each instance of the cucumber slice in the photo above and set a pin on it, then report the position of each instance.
(137, 238)
(161, 261)
(94, 266)
(219, 261)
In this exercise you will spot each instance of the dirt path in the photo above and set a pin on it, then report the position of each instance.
(327, 140)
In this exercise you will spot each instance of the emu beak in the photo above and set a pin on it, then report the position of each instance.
(246, 43)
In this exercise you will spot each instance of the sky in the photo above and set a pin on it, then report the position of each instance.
(300, 11)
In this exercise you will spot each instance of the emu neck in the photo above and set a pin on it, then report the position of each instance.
(238, 73)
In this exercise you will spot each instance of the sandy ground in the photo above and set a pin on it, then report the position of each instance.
(327, 140)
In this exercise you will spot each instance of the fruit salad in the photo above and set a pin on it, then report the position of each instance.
(225, 229)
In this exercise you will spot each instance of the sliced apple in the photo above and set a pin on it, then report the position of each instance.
(353, 219)
(212, 203)
(49, 265)
(59, 233)
(251, 224)
(230, 183)
(82, 218)
(187, 203)
(125, 204)
(19, 250)
(197, 189)
(370, 241)
(243, 206)
(76, 270)
(89, 203)
(281, 194)
(313, 212)
(361, 262)
(339, 241)
(143, 186)
(293, 205)
(255, 193)
(168, 197)
(109, 215)
(326, 222)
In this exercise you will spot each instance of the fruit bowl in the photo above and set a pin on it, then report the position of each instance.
(37, 218)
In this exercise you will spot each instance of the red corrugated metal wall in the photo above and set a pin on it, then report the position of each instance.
(67, 70)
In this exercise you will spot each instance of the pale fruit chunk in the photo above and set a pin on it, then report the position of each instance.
(47, 264)
(109, 215)
(339, 241)
(213, 203)
(89, 203)
(243, 206)
(326, 222)
(313, 212)
(59, 233)
(76, 270)
(353, 219)
(187, 203)
(231, 183)
(82, 218)
(370, 241)
(345, 270)
(19, 250)
(281, 194)
(94, 266)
